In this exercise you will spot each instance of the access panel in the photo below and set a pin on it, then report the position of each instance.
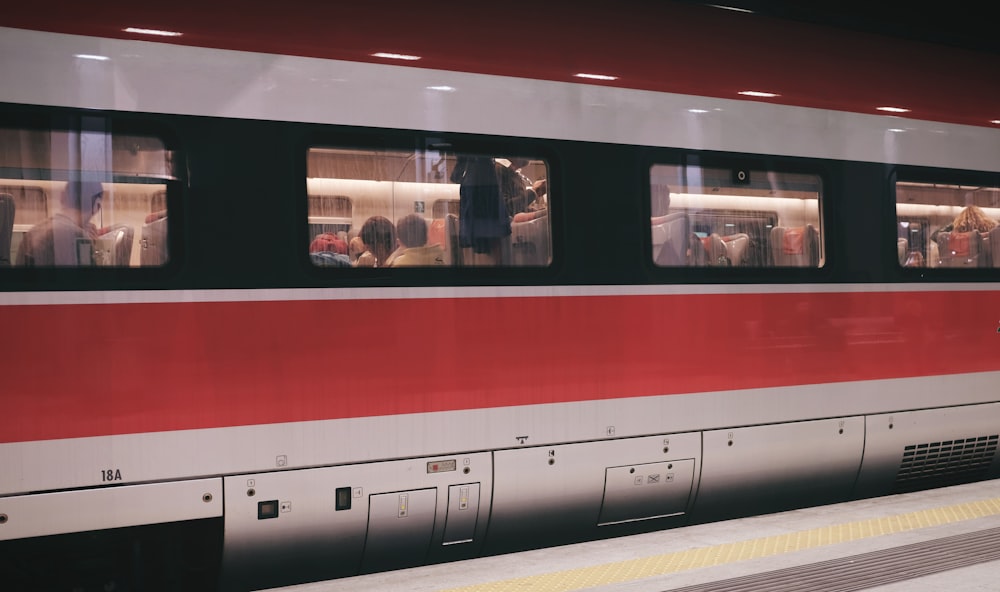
(645, 491)
(556, 494)
(756, 469)
(293, 526)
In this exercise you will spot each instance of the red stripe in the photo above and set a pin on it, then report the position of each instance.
(86, 370)
(661, 46)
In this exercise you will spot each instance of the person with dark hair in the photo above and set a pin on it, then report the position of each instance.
(379, 237)
(483, 219)
(411, 234)
(67, 238)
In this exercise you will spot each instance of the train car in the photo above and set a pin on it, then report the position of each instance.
(291, 293)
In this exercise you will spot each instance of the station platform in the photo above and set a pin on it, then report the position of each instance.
(939, 539)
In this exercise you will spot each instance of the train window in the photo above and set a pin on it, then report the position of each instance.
(82, 198)
(734, 218)
(426, 208)
(940, 225)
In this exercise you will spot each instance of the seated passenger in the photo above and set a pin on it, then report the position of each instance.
(379, 238)
(413, 249)
(329, 250)
(328, 242)
(65, 239)
(355, 247)
(969, 219)
(541, 202)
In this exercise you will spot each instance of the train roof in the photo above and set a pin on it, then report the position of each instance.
(677, 47)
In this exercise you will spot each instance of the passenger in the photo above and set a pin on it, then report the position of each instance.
(411, 234)
(379, 238)
(328, 250)
(328, 241)
(483, 218)
(969, 219)
(541, 190)
(515, 189)
(355, 247)
(973, 218)
(65, 239)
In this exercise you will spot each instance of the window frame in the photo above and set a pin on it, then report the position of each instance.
(364, 139)
(828, 235)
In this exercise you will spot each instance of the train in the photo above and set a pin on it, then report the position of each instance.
(293, 293)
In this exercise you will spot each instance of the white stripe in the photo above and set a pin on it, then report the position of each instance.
(165, 78)
(461, 292)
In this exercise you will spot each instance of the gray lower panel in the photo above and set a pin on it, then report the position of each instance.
(62, 512)
(774, 467)
(642, 492)
(305, 525)
(554, 494)
(932, 447)
(463, 514)
(400, 525)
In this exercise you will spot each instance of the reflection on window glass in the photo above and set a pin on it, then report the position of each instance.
(82, 198)
(941, 225)
(427, 208)
(707, 217)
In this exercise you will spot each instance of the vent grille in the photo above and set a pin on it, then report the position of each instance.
(938, 464)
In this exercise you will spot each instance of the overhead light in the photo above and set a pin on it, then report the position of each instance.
(893, 109)
(158, 32)
(896, 130)
(442, 88)
(595, 76)
(733, 8)
(758, 93)
(697, 111)
(88, 56)
(395, 56)
(995, 121)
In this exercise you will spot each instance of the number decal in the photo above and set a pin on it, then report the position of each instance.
(111, 475)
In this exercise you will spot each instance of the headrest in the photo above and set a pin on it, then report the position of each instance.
(156, 216)
(958, 243)
(793, 242)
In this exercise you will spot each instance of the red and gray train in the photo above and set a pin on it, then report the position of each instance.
(687, 264)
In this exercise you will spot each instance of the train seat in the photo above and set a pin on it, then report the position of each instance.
(153, 238)
(437, 233)
(670, 239)
(960, 249)
(707, 251)
(795, 246)
(718, 252)
(991, 244)
(529, 238)
(113, 247)
(6, 227)
(902, 248)
(736, 247)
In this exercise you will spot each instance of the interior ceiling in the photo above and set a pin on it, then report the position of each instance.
(959, 23)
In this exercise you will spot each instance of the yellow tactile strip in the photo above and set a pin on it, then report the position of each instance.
(635, 569)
